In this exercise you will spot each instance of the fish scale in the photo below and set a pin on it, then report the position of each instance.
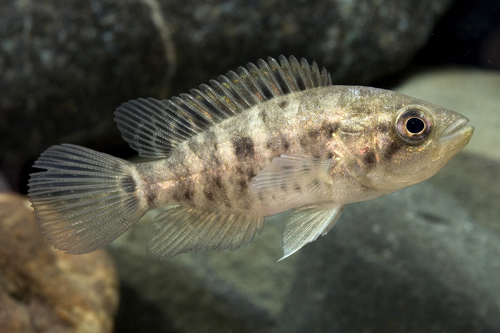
(267, 138)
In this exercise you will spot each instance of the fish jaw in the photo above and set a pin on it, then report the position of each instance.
(454, 138)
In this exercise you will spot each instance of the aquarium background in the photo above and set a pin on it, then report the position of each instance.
(425, 259)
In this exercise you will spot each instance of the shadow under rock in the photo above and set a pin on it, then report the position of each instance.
(136, 314)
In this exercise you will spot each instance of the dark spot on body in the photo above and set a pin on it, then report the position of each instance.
(287, 167)
(316, 182)
(313, 133)
(188, 194)
(279, 144)
(283, 104)
(243, 147)
(251, 174)
(214, 189)
(286, 144)
(369, 158)
(283, 186)
(215, 159)
(184, 193)
(392, 149)
(128, 184)
(329, 128)
(304, 142)
(333, 128)
(383, 127)
(209, 194)
(297, 187)
(218, 181)
(329, 155)
(151, 195)
(317, 156)
(195, 147)
(242, 185)
(263, 115)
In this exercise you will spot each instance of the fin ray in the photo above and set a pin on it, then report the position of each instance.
(153, 128)
(81, 211)
(179, 229)
(293, 181)
(307, 223)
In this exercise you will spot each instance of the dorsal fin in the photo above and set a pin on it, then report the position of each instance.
(154, 127)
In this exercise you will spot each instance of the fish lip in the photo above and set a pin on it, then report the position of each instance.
(457, 128)
(454, 138)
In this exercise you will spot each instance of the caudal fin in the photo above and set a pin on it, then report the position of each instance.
(85, 199)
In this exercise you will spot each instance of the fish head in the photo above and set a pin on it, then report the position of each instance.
(420, 140)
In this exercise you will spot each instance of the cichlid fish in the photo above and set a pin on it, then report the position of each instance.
(253, 143)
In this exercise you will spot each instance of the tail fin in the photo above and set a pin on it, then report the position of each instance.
(85, 199)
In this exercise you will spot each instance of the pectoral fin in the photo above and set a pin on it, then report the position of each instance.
(307, 223)
(292, 181)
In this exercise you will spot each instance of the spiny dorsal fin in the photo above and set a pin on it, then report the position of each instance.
(154, 127)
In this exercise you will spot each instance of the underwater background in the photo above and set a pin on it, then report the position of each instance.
(424, 259)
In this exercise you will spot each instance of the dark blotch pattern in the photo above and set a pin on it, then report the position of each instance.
(184, 193)
(321, 133)
(369, 158)
(209, 193)
(151, 195)
(329, 128)
(392, 149)
(128, 184)
(383, 127)
(283, 104)
(242, 185)
(279, 144)
(243, 147)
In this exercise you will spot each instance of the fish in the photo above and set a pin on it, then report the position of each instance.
(267, 138)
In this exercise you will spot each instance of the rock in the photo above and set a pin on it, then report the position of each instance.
(67, 67)
(45, 290)
(408, 262)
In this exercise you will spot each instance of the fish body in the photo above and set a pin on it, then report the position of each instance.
(250, 145)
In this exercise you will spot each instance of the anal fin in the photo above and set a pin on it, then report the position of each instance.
(180, 229)
(307, 223)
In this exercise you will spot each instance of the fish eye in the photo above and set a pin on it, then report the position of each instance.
(413, 124)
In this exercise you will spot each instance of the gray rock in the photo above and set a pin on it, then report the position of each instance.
(413, 261)
(67, 65)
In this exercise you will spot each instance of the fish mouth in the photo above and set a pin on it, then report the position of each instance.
(455, 137)
(457, 128)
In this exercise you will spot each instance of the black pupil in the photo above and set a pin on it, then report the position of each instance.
(415, 125)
